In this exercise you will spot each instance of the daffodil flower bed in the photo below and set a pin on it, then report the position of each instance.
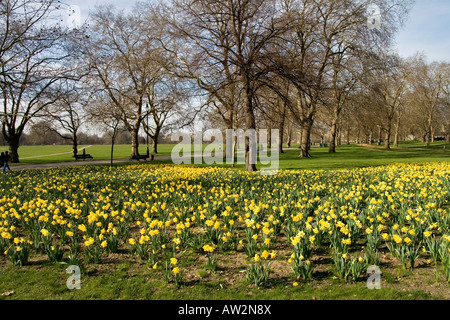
(156, 212)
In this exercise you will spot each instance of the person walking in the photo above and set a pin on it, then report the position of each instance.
(5, 159)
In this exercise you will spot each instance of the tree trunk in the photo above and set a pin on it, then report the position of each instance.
(250, 164)
(74, 144)
(280, 141)
(113, 139)
(234, 153)
(155, 141)
(429, 131)
(155, 146)
(134, 142)
(397, 132)
(300, 138)
(427, 138)
(306, 110)
(306, 139)
(289, 138)
(379, 136)
(387, 142)
(348, 134)
(282, 125)
(333, 134)
(259, 146)
(371, 137)
(229, 150)
(333, 130)
(13, 143)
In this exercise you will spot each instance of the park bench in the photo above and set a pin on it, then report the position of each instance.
(142, 157)
(83, 156)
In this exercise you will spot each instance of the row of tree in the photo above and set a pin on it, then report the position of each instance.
(43, 133)
(309, 66)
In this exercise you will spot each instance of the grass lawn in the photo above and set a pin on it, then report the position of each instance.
(355, 156)
(352, 156)
(136, 280)
(348, 157)
(54, 154)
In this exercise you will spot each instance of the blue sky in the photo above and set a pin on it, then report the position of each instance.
(426, 30)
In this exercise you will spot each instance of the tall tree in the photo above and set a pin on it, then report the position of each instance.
(322, 31)
(206, 60)
(164, 101)
(233, 34)
(429, 82)
(101, 112)
(31, 63)
(128, 62)
(344, 81)
(389, 85)
(67, 113)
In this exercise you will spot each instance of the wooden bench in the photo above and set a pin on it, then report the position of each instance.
(142, 157)
(83, 156)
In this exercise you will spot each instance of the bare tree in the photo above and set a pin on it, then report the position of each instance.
(232, 35)
(128, 62)
(344, 80)
(429, 82)
(164, 107)
(389, 85)
(320, 32)
(273, 100)
(101, 112)
(207, 61)
(67, 114)
(32, 56)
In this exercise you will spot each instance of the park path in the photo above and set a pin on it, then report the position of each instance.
(84, 163)
(74, 163)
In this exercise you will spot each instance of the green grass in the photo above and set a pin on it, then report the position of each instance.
(58, 153)
(128, 281)
(55, 154)
(354, 156)
(347, 156)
